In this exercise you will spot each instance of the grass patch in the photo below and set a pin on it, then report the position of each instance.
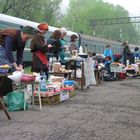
(27, 70)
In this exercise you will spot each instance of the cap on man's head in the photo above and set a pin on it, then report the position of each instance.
(43, 26)
(63, 30)
(28, 30)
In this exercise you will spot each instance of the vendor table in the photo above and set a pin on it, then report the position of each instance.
(61, 74)
(73, 66)
(3, 83)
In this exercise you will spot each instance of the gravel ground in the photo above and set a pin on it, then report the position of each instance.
(110, 111)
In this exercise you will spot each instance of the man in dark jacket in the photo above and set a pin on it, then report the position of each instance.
(14, 40)
(126, 52)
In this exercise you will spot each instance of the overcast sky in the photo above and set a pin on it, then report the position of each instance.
(132, 6)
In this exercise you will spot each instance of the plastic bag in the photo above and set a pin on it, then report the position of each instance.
(27, 78)
(16, 76)
(15, 101)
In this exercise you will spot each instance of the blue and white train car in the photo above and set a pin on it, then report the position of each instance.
(92, 43)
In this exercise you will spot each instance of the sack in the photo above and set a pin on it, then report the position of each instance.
(15, 101)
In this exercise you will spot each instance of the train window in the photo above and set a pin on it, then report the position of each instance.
(99, 48)
(94, 48)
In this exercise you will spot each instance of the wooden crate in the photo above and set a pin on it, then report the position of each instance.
(72, 93)
(55, 99)
(52, 100)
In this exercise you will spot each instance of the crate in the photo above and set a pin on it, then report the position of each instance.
(72, 93)
(51, 100)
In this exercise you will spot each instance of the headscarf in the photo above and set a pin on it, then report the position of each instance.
(43, 26)
(28, 30)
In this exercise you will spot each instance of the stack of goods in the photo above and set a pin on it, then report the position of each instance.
(117, 67)
(58, 68)
(50, 90)
(57, 91)
(57, 80)
(69, 85)
(132, 70)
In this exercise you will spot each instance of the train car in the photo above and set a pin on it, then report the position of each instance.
(98, 45)
(7, 21)
(92, 43)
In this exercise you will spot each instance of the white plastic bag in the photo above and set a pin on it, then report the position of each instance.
(16, 76)
(38, 77)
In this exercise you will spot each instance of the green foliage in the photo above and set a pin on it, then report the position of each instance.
(34, 10)
(78, 18)
(81, 13)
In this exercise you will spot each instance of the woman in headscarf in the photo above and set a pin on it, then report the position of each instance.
(14, 40)
(39, 48)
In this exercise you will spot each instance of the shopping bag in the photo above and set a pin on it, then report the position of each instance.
(15, 101)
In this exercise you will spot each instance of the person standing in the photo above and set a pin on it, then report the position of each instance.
(108, 52)
(14, 40)
(73, 45)
(39, 48)
(54, 40)
(136, 54)
(63, 42)
(63, 34)
(126, 53)
(108, 60)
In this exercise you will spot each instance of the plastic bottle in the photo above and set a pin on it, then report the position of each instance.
(44, 76)
(42, 83)
(80, 49)
(127, 63)
(135, 60)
